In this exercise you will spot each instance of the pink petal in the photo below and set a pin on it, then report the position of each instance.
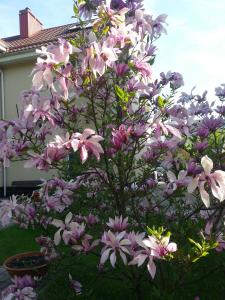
(87, 132)
(174, 131)
(208, 227)
(151, 268)
(83, 154)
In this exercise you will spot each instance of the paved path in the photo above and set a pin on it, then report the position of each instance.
(4, 276)
(4, 280)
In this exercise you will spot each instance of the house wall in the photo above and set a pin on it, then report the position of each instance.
(17, 79)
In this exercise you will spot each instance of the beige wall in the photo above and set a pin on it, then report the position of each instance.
(17, 79)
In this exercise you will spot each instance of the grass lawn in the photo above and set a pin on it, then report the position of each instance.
(14, 240)
(55, 286)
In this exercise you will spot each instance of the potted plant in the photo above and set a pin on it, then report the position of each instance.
(27, 263)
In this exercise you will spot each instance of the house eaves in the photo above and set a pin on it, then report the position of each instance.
(17, 57)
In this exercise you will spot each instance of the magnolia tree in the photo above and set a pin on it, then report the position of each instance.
(136, 161)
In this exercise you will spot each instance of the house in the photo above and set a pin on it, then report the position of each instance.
(17, 58)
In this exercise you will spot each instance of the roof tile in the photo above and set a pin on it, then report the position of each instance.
(41, 38)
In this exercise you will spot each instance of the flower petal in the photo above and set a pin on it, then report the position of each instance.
(193, 185)
(207, 164)
(151, 268)
(204, 194)
(105, 256)
(57, 237)
(113, 259)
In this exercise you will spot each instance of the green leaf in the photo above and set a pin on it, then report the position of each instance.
(161, 102)
(119, 92)
(75, 10)
(195, 243)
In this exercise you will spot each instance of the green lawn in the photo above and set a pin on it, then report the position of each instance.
(14, 240)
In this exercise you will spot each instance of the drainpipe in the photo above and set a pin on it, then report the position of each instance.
(3, 117)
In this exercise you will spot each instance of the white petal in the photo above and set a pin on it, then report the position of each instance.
(113, 259)
(57, 237)
(193, 185)
(38, 80)
(172, 247)
(171, 176)
(105, 256)
(68, 217)
(124, 258)
(57, 223)
(207, 164)
(204, 194)
(182, 174)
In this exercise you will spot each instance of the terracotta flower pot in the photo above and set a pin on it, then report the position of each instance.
(35, 264)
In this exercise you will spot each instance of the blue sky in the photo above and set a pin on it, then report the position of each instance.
(194, 46)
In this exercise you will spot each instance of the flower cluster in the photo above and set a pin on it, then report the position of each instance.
(22, 288)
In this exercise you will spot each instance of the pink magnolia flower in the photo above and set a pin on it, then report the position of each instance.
(166, 129)
(160, 248)
(215, 180)
(115, 17)
(121, 36)
(53, 203)
(135, 240)
(6, 210)
(86, 246)
(221, 243)
(120, 136)
(6, 153)
(63, 80)
(62, 226)
(99, 57)
(142, 22)
(43, 74)
(153, 248)
(142, 65)
(91, 219)
(219, 237)
(74, 233)
(175, 182)
(118, 224)
(86, 142)
(141, 256)
(39, 108)
(40, 161)
(59, 53)
(114, 243)
(75, 285)
(121, 69)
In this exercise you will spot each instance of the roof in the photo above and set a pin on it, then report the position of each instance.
(2, 43)
(41, 38)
